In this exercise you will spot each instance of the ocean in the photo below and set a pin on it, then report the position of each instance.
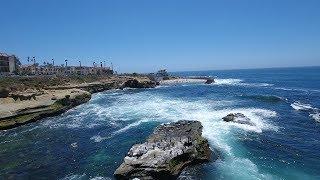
(91, 140)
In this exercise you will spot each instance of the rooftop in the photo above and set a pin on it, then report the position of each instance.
(4, 54)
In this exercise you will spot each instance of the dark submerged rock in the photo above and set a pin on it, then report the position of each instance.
(4, 92)
(134, 83)
(238, 118)
(209, 81)
(166, 152)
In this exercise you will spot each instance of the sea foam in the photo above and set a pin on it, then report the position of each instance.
(238, 82)
(301, 106)
(229, 81)
(313, 112)
(315, 116)
(130, 110)
(84, 177)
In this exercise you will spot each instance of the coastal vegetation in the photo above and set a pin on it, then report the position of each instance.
(21, 83)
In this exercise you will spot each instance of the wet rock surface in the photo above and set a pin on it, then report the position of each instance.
(166, 152)
(238, 118)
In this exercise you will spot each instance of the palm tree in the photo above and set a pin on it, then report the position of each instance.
(66, 62)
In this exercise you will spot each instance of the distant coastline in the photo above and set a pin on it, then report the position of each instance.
(239, 69)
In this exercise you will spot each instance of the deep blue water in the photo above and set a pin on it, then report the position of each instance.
(90, 141)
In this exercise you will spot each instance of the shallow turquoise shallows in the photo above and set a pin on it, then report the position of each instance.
(91, 140)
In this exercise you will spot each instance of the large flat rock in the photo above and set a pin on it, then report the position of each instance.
(169, 149)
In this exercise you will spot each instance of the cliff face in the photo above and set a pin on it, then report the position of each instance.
(166, 152)
(33, 114)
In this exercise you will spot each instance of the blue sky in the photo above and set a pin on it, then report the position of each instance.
(145, 35)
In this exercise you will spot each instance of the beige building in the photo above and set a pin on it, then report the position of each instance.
(59, 70)
(8, 63)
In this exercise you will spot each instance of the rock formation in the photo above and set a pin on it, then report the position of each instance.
(209, 81)
(166, 152)
(238, 118)
(33, 114)
(26, 95)
(134, 83)
(4, 92)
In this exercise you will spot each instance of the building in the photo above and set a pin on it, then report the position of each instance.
(34, 69)
(8, 63)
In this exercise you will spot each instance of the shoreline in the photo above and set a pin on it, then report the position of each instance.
(25, 107)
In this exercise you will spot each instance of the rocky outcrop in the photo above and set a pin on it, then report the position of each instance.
(238, 118)
(26, 95)
(209, 81)
(89, 87)
(99, 87)
(134, 83)
(103, 86)
(28, 115)
(4, 92)
(166, 152)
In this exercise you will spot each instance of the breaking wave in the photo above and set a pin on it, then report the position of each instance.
(313, 112)
(145, 108)
(128, 110)
(227, 81)
(302, 107)
(238, 82)
(84, 177)
(315, 116)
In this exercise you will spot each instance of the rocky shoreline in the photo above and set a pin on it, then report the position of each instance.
(167, 151)
(20, 108)
(28, 115)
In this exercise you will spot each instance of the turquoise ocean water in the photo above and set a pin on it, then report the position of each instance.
(90, 141)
